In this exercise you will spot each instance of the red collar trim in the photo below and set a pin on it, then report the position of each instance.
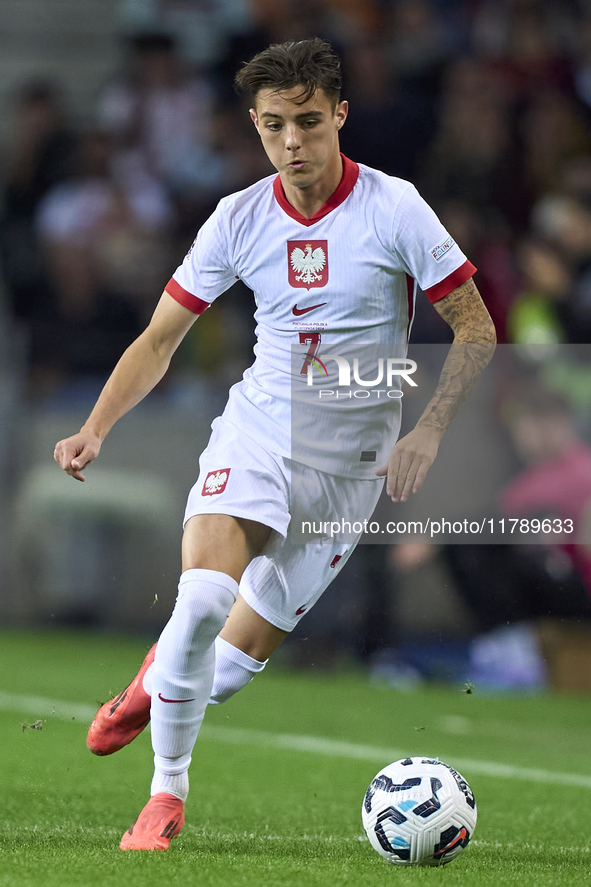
(344, 188)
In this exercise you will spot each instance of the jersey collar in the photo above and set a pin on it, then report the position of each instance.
(344, 188)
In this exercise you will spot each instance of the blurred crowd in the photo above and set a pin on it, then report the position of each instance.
(484, 104)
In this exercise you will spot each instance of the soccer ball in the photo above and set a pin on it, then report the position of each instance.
(419, 811)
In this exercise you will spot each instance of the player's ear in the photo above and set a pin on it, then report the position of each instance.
(255, 118)
(341, 112)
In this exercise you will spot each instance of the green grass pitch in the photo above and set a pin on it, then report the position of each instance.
(278, 778)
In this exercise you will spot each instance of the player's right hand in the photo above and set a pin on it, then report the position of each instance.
(74, 453)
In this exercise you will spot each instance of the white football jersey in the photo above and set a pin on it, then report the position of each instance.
(344, 278)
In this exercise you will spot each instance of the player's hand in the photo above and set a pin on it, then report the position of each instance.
(409, 462)
(74, 453)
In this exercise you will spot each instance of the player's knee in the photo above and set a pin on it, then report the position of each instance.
(211, 614)
(206, 607)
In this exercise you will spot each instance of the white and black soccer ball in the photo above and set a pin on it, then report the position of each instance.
(419, 811)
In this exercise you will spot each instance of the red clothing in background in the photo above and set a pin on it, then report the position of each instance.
(559, 487)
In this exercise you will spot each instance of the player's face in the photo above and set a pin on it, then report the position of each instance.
(301, 140)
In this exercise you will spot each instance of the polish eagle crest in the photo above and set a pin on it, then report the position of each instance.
(215, 482)
(308, 265)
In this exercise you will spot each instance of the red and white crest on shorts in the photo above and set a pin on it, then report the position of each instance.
(307, 263)
(215, 482)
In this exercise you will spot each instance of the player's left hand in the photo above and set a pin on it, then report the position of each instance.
(409, 462)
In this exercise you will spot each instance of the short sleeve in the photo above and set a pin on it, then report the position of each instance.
(429, 253)
(206, 271)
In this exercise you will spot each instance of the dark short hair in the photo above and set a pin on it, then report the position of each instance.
(311, 64)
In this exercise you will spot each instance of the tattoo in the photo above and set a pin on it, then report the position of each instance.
(465, 312)
(472, 348)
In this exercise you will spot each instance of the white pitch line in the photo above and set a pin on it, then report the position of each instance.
(538, 848)
(42, 707)
(319, 745)
(339, 749)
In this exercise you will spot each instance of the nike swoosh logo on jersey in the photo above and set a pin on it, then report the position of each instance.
(299, 311)
(161, 697)
(300, 610)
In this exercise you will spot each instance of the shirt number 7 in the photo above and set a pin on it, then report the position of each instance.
(313, 340)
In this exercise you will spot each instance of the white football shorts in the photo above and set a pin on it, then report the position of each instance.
(239, 477)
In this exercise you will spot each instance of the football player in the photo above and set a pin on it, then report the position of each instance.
(334, 252)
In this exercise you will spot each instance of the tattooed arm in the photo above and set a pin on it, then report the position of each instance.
(472, 348)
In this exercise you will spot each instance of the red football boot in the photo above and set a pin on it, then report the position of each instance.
(161, 819)
(119, 721)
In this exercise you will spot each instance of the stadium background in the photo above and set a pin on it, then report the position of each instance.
(484, 105)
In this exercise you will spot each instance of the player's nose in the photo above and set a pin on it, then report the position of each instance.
(292, 138)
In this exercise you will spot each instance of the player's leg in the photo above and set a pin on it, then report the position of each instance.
(254, 483)
(282, 585)
(248, 638)
(216, 550)
(250, 632)
(241, 651)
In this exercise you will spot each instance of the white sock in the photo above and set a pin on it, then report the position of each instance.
(148, 679)
(183, 674)
(234, 669)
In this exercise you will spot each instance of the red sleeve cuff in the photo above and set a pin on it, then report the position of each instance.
(188, 300)
(450, 283)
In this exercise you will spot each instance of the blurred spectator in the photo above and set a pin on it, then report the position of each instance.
(504, 588)
(582, 74)
(474, 157)
(534, 317)
(420, 45)
(41, 155)
(554, 132)
(350, 18)
(565, 221)
(576, 178)
(200, 26)
(528, 42)
(164, 118)
(577, 310)
(105, 233)
(379, 105)
(509, 583)
(486, 238)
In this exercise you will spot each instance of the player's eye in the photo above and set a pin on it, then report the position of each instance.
(274, 127)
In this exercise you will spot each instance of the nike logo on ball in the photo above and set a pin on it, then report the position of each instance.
(161, 697)
(299, 311)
